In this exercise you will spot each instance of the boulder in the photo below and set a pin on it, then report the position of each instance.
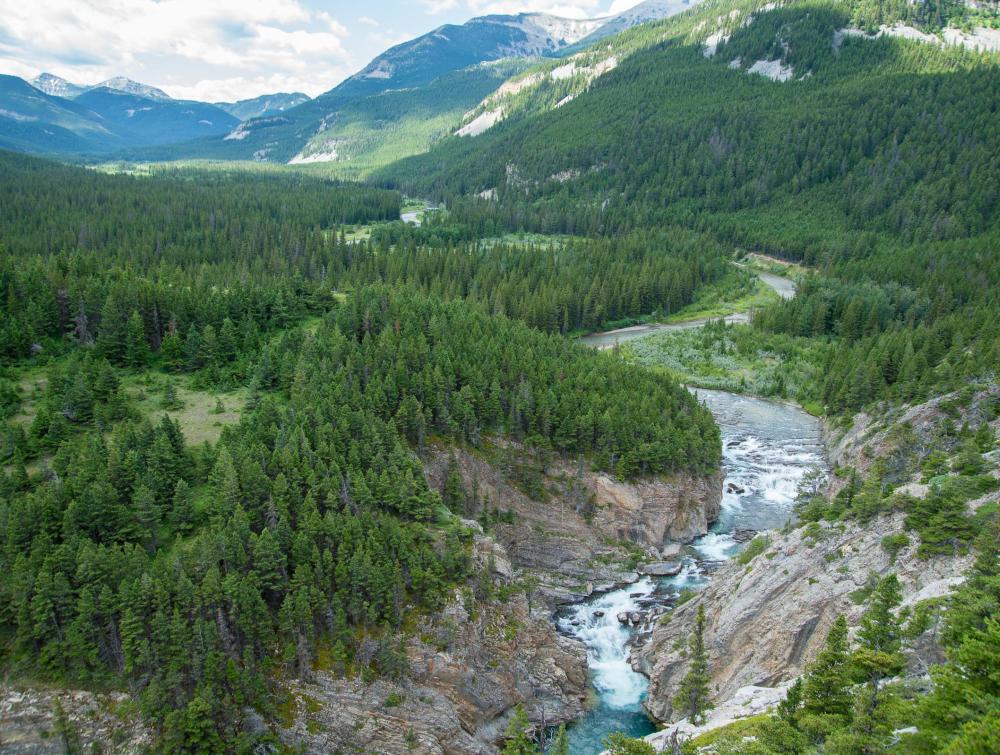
(662, 569)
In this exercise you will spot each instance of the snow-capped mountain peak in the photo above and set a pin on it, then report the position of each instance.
(56, 85)
(123, 84)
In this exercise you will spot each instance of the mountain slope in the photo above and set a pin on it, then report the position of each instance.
(412, 64)
(99, 121)
(142, 121)
(840, 140)
(374, 131)
(265, 104)
(32, 121)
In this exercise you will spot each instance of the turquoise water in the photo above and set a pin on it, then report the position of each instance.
(768, 448)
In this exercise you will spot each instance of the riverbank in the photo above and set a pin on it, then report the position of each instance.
(709, 308)
(769, 447)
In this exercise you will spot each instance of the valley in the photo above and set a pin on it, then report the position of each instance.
(546, 386)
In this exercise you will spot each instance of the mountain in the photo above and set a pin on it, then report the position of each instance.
(281, 137)
(32, 121)
(141, 121)
(770, 123)
(122, 84)
(60, 87)
(398, 105)
(266, 104)
(56, 86)
(100, 120)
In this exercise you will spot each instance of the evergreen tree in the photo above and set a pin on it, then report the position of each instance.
(560, 745)
(516, 738)
(693, 697)
(826, 699)
(137, 353)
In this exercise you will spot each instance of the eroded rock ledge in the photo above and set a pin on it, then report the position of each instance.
(768, 619)
(582, 537)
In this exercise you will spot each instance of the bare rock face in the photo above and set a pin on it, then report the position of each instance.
(768, 619)
(583, 534)
(470, 665)
(879, 436)
(28, 725)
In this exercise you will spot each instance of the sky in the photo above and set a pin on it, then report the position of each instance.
(226, 50)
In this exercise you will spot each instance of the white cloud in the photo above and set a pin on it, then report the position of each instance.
(184, 46)
(367, 21)
(580, 9)
(620, 6)
(433, 7)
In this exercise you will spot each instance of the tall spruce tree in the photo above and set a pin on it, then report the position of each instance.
(693, 697)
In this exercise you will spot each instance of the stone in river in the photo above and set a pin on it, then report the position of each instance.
(662, 569)
(598, 614)
(623, 617)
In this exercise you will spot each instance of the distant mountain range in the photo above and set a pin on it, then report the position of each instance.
(59, 87)
(357, 124)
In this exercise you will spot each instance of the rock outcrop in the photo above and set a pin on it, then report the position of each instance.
(470, 665)
(766, 620)
(28, 721)
(591, 530)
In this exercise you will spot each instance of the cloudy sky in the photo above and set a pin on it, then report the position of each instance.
(232, 49)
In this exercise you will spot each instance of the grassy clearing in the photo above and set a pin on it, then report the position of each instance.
(552, 241)
(737, 358)
(766, 263)
(198, 412)
(31, 386)
(729, 296)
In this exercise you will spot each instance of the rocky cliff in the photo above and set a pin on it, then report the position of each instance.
(767, 619)
(479, 658)
(586, 530)
(28, 722)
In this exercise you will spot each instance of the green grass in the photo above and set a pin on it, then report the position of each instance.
(727, 297)
(737, 358)
(753, 549)
(197, 413)
(744, 727)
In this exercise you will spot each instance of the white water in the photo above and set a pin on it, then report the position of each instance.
(606, 639)
(768, 449)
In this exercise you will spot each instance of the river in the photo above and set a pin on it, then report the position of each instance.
(784, 287)
(768, 448)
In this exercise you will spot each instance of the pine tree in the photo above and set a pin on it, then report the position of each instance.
(172, 351)
(181, 516)
(67, 732)
(147, 512)
(826, 699)
(880, 634)
(693, 697)
(620, 744)
(516, 739)
(136, 347)
(560, 745)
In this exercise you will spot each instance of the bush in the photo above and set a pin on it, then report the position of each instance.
(754, 548)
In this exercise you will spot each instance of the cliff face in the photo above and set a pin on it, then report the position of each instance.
(28, 725)
(768, 619)
(590, 529)
(470, 665)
